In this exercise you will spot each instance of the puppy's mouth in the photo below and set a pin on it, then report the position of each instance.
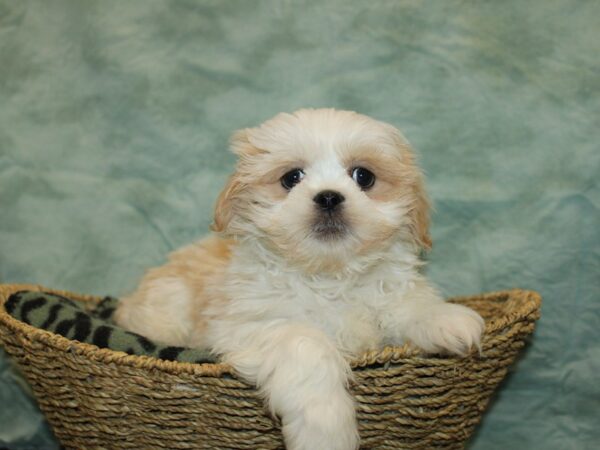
(329, 226)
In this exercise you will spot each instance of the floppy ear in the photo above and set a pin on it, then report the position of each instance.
(225, 206)
(419, 209)
(419, 216)
(229, 196)
(241, 146)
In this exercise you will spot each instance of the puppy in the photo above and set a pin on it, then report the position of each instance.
(314, 260)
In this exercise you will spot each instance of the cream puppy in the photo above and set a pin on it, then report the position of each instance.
(315, 259)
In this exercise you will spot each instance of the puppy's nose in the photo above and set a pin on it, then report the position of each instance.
(328, 200)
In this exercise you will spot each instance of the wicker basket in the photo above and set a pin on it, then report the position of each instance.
(99, 398)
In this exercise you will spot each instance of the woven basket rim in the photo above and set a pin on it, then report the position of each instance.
(528, 306)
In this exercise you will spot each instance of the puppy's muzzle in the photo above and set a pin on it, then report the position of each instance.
(328, 200)
(329, 223)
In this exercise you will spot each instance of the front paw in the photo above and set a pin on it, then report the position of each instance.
(447, 327)
(325, 423)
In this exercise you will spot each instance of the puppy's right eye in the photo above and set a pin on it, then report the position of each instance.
(292, 178)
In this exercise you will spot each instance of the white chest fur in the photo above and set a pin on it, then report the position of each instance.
(262, 290)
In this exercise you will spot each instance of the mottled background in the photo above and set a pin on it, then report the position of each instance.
(114, 120)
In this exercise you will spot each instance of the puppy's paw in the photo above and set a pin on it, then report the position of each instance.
(324, 424)
(447, 327)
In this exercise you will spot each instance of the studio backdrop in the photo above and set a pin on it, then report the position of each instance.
(115, 117)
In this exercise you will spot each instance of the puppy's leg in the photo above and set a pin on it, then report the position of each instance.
(304, 379)
(165, 306)
(422, 317)
(159, 309)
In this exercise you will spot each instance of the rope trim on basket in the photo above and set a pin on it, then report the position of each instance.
(528, 303)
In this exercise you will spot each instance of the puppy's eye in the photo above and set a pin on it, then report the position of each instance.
(292, 178)
(363, 177)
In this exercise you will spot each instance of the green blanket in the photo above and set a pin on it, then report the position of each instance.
(70, 319)
(115, 116)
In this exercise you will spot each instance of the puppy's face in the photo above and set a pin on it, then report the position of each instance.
(323, 187)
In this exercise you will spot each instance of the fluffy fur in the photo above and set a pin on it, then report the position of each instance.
(287, 305)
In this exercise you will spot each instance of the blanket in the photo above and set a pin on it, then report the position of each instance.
(71, 319)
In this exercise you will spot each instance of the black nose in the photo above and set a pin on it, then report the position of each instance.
(328, 200)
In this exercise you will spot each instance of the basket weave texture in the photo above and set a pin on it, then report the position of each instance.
(99, 398)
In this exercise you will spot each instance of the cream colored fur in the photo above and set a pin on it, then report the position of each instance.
(287, 308)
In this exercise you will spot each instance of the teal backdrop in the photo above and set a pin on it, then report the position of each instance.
(115, 116)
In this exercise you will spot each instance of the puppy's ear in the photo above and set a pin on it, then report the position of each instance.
(229, 196)
(419, 216)
(241, 146)
(225, 206)
(419, 209)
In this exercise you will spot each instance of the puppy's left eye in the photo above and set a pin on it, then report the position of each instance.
(363, 177)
